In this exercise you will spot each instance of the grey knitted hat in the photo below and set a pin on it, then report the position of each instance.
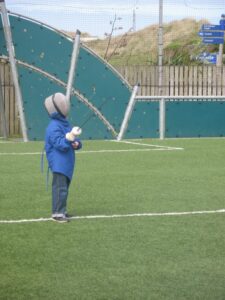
(57, 103)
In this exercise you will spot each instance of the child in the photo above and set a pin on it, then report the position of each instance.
(60, 143)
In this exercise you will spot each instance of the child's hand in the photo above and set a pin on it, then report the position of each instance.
(75, 145)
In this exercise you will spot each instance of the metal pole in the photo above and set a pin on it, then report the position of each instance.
(162, 105)
(73, 63)
(219, 58)
(194, 98)
(219, 64)
(10, 48)
(134, 20)
(2, 113)
(128, 113)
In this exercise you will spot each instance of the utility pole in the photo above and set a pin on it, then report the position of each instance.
(134, 20)
(219, 59)
(162, 103)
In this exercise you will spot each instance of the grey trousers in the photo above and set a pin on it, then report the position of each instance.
(60, 189)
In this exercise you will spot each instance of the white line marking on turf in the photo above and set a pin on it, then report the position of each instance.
(10, 142)
(94, 151)
(119, 216)
(121, 150)
(149, 145)
(21, 153)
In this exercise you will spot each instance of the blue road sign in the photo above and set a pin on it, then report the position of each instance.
(212, 58)
(211, 33)
(213, 40)
(208, 57)
(222, 23)
(212, 27)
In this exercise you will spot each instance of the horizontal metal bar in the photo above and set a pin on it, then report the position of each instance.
(180, 98)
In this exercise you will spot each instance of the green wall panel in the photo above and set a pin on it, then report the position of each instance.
(35, 89)
(3, 50)
(96, 80)
(195, 119)
(98, 83)
(42, 47)
(144, 122)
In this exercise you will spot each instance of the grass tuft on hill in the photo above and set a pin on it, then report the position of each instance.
(181, 43)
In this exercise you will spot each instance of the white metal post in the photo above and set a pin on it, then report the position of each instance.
(162, 117)
(11, 52)
(73, 62)
(2, 113)
(219, 58)
(128, 113)
(162, 104)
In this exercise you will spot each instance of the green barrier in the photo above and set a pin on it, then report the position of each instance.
(35, 88)
(48, 52)
(195, 119)
(3, 49)
(144, 122)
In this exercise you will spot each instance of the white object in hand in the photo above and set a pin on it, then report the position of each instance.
(76, 131)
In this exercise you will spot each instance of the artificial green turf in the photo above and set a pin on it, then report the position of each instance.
(167, 257)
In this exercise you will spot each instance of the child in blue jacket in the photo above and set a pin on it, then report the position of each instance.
(60, 143)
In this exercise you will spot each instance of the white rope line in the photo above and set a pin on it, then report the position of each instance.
(149, 145)
(119, 216)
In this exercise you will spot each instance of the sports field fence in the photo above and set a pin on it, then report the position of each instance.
(206, 80)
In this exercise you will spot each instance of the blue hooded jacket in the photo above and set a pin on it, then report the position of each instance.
(59, 151)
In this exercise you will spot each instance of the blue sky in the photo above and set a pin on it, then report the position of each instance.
(94, 16)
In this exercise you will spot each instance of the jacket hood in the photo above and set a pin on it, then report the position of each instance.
(58, 116)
